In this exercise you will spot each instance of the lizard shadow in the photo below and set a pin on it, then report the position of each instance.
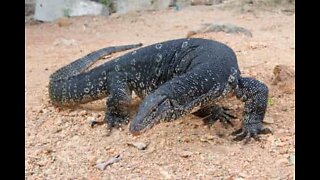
(100, 105)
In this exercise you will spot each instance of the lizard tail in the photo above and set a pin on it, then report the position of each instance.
(65, 89)
(83, 63)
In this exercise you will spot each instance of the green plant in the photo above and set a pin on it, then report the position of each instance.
(66, 12)
(270, 102)
(107, 3)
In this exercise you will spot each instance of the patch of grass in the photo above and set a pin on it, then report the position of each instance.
(110, 4)
(270, 102)
(107, 3)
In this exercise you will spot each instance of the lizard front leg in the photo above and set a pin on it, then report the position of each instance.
(118, 102)
(255, 95)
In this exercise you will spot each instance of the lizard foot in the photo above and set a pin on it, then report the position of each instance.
(249, 131)
(118, 122)
(219, 113)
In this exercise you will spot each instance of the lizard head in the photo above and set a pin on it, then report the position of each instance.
(155, 108)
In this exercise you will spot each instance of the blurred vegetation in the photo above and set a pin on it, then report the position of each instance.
(111, 4)
(107, 3)
(253, 5)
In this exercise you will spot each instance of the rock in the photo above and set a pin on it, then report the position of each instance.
(268, 120)
(282, 73)
(138, 145)
(50, 10)
(125, 6)
(185, 154)
(85, 7)
(283, 76)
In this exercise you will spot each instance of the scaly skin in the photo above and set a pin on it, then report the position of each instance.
(172, 77)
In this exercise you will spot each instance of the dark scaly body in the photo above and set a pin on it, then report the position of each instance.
(172, 77)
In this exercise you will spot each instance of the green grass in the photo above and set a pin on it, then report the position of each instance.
(107, 3)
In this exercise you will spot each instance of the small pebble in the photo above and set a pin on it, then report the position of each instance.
(268, 120)
(138, 145)
(82, 113)
(185, 154)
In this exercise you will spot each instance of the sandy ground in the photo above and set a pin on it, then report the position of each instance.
(60, 144)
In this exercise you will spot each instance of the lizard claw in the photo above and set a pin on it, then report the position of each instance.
(115, 122)
(94, 122)
(244, 133)
(109, 129)
(222, 115)
(225, 117)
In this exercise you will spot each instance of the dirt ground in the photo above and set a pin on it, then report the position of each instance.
(60, 144)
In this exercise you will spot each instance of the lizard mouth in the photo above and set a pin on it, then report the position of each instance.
(151, 111)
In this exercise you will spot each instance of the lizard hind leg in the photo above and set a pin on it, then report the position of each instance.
(211, 114)
(255, 95)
